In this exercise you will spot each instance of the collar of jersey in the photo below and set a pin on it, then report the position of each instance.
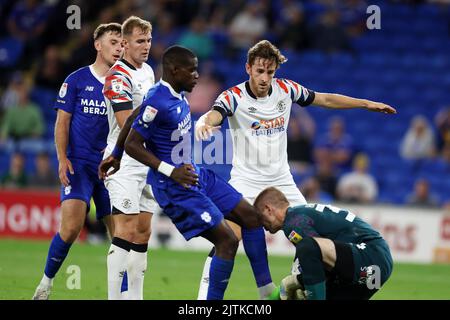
(251, 94)
(96, 76)
(129, 65)
(172, 91)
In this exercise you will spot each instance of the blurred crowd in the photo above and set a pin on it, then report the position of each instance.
(330, 166)
(37, 52)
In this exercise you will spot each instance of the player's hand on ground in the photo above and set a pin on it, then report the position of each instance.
(185, 175)
(380, 107)
(204, 131)
(65, 166)
(105, 165)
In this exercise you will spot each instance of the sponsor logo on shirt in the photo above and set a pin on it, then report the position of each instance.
(294, 237)
(89, 88)
(92, 106)
(252, 110)
(149, 114)
(116, 85)
(63, 90)
(268, 127)
(185, 125)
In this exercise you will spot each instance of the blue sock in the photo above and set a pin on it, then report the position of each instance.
(254, 241)
(124, 286)
(219, 275)
(56, 254)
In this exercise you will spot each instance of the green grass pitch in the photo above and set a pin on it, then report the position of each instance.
(175, 275)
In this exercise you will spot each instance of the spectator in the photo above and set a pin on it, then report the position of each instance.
(353, 16)
(50, 73)
(16, 177)
(248, 26)
(358, 186)
(299, 142)
(293, 33)
(325, 174)
(419, 141)
(166, 33)
(197, 39)
(27, 20)
(23, 120)
(442, 122)
(422, 196)
(10, 97)
(335, 144)
(328, 35)
(26, 23)
(445, 154)
(313, 193)
(44, 176)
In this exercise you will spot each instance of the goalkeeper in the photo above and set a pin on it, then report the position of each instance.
(339, 255)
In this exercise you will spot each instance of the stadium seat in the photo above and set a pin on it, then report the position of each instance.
(10, 51)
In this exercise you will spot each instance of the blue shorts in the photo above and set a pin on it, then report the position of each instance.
(84, 185)
(198, 208)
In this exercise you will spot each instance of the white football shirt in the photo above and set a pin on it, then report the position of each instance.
(125, 88)
(258, 130)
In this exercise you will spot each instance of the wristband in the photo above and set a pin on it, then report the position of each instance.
(117, 152)
(165, 168)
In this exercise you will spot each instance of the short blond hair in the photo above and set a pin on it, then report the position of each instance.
(272, 195)
(266, 50)
(113, 27)
(135, 22)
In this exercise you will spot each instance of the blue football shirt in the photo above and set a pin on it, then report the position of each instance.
(81, 95)
(165, 122)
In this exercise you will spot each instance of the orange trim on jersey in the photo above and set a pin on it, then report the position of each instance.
(282, 85)
(294, 84)
(237, 91)
(118, 67)
(227, 98)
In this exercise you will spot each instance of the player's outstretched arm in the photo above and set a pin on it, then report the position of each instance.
(113, 160)
(62, 127)
(207, 124)
(134, 146)
(338, 101)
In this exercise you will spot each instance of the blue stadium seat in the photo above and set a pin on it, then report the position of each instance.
(10, 51)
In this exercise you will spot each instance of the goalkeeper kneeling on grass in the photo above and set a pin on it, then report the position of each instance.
(339, 255)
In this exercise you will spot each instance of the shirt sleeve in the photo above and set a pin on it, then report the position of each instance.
(118, 89)
(67, 95)
(146, 119)
(226, 103)
(299, 94)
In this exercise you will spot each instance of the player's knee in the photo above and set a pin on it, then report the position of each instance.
(125, 232)
(143, 235)
(69, 233)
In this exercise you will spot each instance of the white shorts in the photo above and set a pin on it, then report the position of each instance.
(250, 190)
(129, 192)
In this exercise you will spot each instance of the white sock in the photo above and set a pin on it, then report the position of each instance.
(204, 281)
(46, 281)
(265, 291)
(136, 267)
(117, 264)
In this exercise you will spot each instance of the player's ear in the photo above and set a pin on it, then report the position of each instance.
(97, 45)
(248, 68)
